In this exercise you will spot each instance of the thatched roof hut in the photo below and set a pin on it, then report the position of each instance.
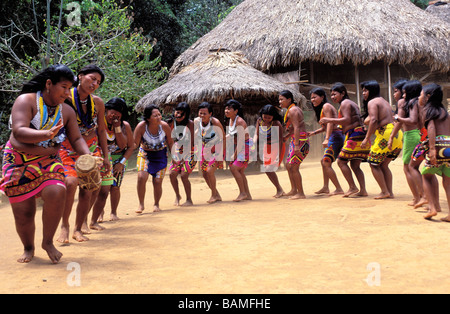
(222, 75)
(281, 34)
(441, 9)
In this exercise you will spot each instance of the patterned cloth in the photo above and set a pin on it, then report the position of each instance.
(411, 139)
(69, 158)
(442, 167)
(26, 175)
(182, 162)
(352, 145)
(335, 143)
(379, 151)
(153, 162)
(243, 157)
(297, 158)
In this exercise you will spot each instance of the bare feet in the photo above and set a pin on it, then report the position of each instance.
(242, 197)
(383, 195)
(446, 219)
(337, 192)
(177, 200)
(96, 226)
(52, 252)
(140, 209)
(85, 229)
(78, 236)
(64, 235)
(297, 196)
(290, 193)
(351, 191)
(214, 199)
(279, 194)
(418, 203)
(113, 217)
(323, 190)
(156, 209)
(431, 213)
(187, 203)
(27, 256)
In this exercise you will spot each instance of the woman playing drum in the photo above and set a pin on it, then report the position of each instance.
(31, 165)
(88, 108)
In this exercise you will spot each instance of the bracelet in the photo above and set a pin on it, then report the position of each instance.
(118, 129)
(123, 161)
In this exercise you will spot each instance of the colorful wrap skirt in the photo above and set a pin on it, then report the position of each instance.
(153, 162)
(411, 140)
(352, 145)
(182, 162)
(208, 156)
(294, 158)
(379, 151)
(69, 157)
(442, 166)
(26, 175)
(118, 177)
(243, 157)
(335, 143)
(273, 157)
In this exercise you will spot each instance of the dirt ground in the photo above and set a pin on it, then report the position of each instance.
(266, 246)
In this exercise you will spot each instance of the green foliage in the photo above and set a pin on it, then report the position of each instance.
(421, 3)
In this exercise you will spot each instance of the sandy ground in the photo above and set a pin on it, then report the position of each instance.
(276, 246)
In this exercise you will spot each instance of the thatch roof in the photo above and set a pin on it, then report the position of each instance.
(441, 9)
(219, 77)
(280, 33)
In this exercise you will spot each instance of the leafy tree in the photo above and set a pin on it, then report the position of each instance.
(103, 36)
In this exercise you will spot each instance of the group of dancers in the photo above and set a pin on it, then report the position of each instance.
(57, 118)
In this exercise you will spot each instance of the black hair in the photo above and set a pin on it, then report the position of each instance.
(206, 105)
(148, 110)
(321, 93)
(55, 73)
(236, 105)
(399, 84)
(186, 109)
(91, 68)
(270, 110)
(412, 92)
(373, 87)
(119, 105)
(288, 94)
(340, 88)
(374, 91)
(434, 107)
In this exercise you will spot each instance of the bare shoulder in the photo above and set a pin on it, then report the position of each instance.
(98, 101)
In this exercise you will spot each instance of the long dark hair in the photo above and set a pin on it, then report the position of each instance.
(55, 73)
(412, 91)
(321, 93)
(374, 91)
(271, 110)
(434, 107)
(186, 109)
(119, 105)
